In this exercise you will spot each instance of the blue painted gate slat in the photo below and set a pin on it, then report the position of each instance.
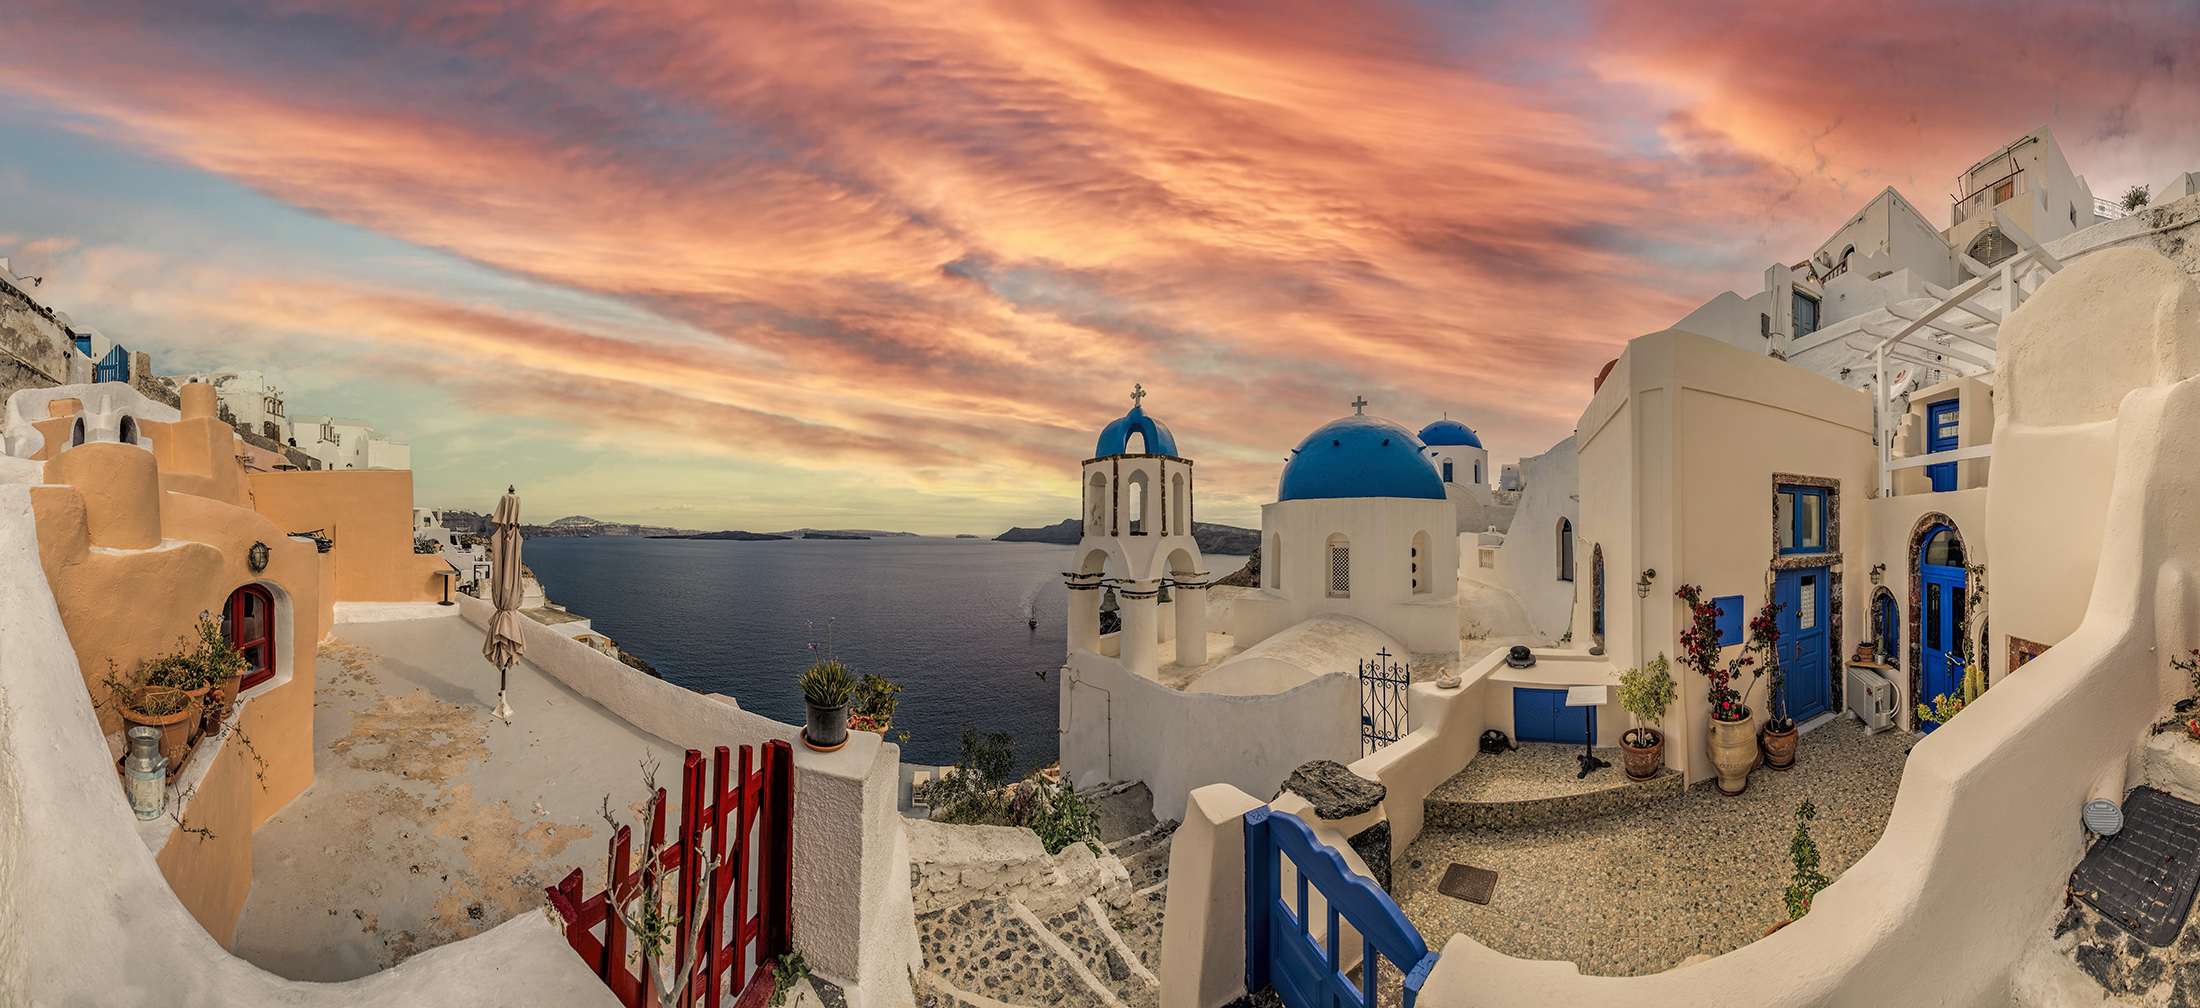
(1280, 947)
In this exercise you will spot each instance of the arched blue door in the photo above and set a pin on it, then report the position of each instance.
(1941, 577)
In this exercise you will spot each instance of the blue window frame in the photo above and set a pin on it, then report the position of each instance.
(1730, 619)
(1801, 517)
(1806, 314)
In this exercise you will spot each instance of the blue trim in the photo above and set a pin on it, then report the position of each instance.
(1730, 619)
(1795, 519)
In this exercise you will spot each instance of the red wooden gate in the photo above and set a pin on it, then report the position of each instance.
(746, 819)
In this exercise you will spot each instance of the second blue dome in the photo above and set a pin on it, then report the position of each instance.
(1359, 456)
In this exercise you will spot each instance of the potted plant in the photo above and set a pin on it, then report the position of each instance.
(872, 706)
(825, 691)
(1778, 737)
(1645, 693)
(171, 710)
(200, 669)
(1733, 746)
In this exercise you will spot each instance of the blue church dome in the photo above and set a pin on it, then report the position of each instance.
(1359, 456)
(1116, 436)
(1449, 432)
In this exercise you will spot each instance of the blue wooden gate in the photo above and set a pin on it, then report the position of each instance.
(1280, 947)
(1541, 715)
(113, 367)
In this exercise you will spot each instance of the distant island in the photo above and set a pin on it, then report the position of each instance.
(964, 535)
(571, 526)
(806, 533)
(729, 534)
(1220, 540)
(832, 535)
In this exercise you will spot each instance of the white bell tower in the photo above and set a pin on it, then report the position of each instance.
(1138, 545)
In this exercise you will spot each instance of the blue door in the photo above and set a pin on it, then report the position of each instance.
(113, 367)
(1802, 595)
(1942, 579)
(1541, 715)
(1940, 435)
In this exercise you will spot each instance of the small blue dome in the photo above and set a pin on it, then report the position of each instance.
(1359, 456)
(1116, 436)
(1449, 432)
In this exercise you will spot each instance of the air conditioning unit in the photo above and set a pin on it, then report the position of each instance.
(1871, 699)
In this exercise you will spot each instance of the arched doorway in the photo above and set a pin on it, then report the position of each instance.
(249, 618)
(1941, 580)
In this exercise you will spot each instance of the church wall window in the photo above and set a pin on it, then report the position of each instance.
(1478, 471)
(1447, 470)
(1134, 503)
(1565, 550)
(1096, 505)
(1340, 567)
(1183, 505)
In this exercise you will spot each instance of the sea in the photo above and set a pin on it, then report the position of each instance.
(946, 618)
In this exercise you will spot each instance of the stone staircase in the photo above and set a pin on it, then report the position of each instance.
(1097, 949)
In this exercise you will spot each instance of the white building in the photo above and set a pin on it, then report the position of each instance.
(255, 404)
(342, 443)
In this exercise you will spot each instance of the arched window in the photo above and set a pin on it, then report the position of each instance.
(1596, 595)
(1340, 566)
(1096, 505)
(249, 618)
(76, 433)
(1478, 470)
(1272, 563)
(1565, 550)
(1183, 502)
(1447, 470)
(1134, 503)
(128, 432)
(1417, 564)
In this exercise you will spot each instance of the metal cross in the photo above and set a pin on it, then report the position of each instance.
(1357, 403)
(1138, 391)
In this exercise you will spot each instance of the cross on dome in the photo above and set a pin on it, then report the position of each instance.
(1138, 391)
(1358, 405)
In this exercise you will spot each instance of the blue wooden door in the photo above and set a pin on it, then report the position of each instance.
(1940, 435)
(1804, 615)
(1541, 715)
(113, 367)
(1941, 612)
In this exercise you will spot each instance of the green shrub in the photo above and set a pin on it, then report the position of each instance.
(873, 703)
(1061, 816)
(828, 684)
(196, 666)
(1808, 880)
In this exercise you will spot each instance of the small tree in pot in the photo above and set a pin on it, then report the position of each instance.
(1778, 737)
(1645, 693)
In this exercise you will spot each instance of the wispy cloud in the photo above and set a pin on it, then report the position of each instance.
(928, 246)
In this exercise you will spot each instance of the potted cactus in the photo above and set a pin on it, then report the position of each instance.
(1645, 693)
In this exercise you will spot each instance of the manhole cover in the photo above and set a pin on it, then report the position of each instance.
(1471, 884)
(2144, 877)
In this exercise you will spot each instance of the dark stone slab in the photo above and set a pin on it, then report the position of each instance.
(2144, 877)
(1373, 846)
(1335, 791)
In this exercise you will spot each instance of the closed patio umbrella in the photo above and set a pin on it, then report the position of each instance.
(505, 639)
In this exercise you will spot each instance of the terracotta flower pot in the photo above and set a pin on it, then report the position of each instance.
(175, 729)
(1643, 762)
(1779, 748)
(1733, 753)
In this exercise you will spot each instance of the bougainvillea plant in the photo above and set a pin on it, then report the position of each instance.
(1700, 650)
(1764, 639)
(2189, 665)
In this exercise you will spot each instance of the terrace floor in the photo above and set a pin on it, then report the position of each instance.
(1639, 891)
(428, 820)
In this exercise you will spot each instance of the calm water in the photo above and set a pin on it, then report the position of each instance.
(943, 617)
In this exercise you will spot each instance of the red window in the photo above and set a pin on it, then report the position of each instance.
(250, 617)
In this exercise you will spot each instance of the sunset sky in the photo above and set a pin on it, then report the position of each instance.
(894, 264)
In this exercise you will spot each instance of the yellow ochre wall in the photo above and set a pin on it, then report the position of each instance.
(136, 543)
(369, 514)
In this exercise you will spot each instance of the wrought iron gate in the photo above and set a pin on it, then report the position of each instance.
(1383, 685)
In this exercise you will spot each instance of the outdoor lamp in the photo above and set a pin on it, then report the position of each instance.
(256, 557)
(1642, 587)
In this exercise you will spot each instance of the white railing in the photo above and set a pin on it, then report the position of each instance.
(1942, 457)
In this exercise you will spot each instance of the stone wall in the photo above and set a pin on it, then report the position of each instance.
(34, 347)
(952, 865)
